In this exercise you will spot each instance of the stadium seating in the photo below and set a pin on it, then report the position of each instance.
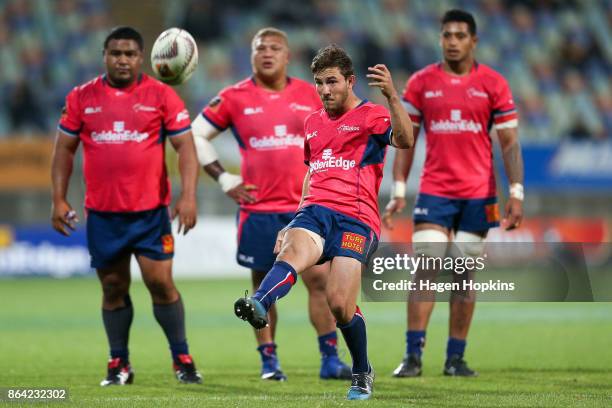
(557, 55)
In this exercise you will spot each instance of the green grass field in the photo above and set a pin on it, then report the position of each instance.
(528, 354)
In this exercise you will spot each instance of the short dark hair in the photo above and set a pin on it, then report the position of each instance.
(269, 31)
(460, 16)
(124, 33)
(332, 56)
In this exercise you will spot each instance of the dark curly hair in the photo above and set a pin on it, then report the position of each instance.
(332, 56)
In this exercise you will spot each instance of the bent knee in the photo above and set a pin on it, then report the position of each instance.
(114, 288)
(162, 290)
(315, 279)
(342, 311)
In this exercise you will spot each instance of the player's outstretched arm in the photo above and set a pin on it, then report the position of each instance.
(513, 164)
(402, 136)
(186, 207)
(231, 184)
(63, 217)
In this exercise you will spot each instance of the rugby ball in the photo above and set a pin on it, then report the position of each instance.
(174, 56)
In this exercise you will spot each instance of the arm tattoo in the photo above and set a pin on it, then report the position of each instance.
(513, 162)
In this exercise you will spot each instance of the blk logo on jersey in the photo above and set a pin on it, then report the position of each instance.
(353, 242)
(421, 211)
(253, 111)
(92, 109)
(167, 243)
(182, 115)
(433, 94)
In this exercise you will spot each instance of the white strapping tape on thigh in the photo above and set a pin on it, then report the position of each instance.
(318, 240)
(469, 244)
(429, 242)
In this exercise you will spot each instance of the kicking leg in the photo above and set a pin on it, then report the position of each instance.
(299, 251)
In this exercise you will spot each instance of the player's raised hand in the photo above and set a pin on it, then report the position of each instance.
(63, 217)
(186, 210)
(380, 77)
(396, 205)
(513, 214)
(241, 193)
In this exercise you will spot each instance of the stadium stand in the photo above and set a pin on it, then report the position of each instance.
(556, 54)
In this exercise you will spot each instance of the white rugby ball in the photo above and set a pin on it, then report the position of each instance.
(174, 56)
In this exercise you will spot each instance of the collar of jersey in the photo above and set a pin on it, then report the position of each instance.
(260, 88)
(472, 70)
(126, 90)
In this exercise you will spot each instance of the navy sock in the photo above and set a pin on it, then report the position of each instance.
(415, 341)
(455, 346)
(171, 317)
(328, 344)
(117, 324)
(267, 352)
(276, 284)
(355, 336)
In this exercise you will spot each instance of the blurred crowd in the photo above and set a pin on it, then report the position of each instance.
(46, 48)
(557, 55)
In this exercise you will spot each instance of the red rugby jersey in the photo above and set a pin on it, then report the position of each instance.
(269, 129)
(123, 132)
(346, 156)
(458, 113)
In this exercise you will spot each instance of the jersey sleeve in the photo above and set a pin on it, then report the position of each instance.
(411, 98)
(306, 152)
(176, 117)
(218, 111)
(71, 120)
(378, 124)
(308, 135)
(504, 110)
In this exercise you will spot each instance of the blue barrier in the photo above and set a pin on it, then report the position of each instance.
(39, 250)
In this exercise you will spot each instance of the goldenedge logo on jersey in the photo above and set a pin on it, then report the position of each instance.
(280, 140)
(455, 124)
(119, 135)
(330, 162)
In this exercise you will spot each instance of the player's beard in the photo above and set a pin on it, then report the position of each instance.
(337, 108)
(121, 81)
